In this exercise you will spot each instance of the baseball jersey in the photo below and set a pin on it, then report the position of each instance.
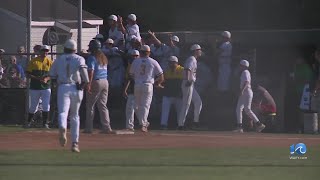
(99, 71)
(245, 77)
(191, 64)
(144, 70)
(116, 35)
(66, 69)
(133, 30)
(39, 67)
(172, 83)
(226, 52)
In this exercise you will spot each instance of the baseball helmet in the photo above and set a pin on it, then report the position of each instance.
(226, 34)
(94, 45)
(244, 63)
(195, 47)
(70, 44)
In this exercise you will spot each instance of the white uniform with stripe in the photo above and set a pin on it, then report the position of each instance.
(66, 70)
(245, 100)
(144, 70)
(189, 93)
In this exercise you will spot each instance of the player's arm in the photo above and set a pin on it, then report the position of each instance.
(126, 87)
(154, 37)
(159, 80)
(120, 25)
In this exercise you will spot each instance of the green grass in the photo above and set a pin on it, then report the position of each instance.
(176, 164)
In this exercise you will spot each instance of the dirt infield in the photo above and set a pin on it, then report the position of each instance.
(48, 140)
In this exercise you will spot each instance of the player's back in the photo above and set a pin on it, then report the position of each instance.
(66, 68)
(144, 70)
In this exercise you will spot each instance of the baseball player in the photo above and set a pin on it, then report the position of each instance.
(171, 92)
(70, 71)
(114, 33)
(224, 60)
(98, 88)
(129, 94)
(38, 71)
(132, 27)
(245, 99)
(100, 38)
(144, 71)
(188, 91)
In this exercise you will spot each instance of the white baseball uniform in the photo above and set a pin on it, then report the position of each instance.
(245, 100)
(224, 60)
(144, 70)
(189, 93)
(67, 69)
(116, 35)
(133, 30)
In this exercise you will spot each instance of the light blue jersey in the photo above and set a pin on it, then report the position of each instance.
(99, 71)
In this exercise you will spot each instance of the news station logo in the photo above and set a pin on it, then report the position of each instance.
(298, 151)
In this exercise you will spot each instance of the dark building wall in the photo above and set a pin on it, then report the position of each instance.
(210, 15)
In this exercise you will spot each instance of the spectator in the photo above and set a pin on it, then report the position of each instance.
(22, 60)
(114, 33)
(15, 70)
(132, 27)
(2, 51)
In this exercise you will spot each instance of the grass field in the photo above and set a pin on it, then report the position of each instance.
(176, 164)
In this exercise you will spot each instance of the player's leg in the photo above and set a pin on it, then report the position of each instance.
(102, 106)
(138, 103)
(75, 103)
(130, 107)
(166, 104)
(91, 99)
(247, 108)
(177, 104)
(146, 99)
(45, 96)
(186, 101)
(239, 109)
(63, 110)
(196, 99)
(34, 102)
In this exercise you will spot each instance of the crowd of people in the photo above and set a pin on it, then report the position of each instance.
(144, 68)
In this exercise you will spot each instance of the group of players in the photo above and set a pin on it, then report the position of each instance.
(152, 64)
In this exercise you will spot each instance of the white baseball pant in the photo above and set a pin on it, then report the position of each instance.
(186, 101)
(224, 76)
(34, 98)
(143, 97)
(166, 104)
(130, 108)
(69, 101)
(244, 102)
(197, 102)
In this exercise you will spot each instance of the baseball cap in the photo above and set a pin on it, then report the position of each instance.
(244, 63)
(21, 48)
(173, 59)
(70, 44)
(113, 17)
(133, 17)
(2, 51)
(175, 38)
(109, 41)
(145, 48)
(226, 34)
(134, 53)
(195, 47)
(45, 47)
(99, 36)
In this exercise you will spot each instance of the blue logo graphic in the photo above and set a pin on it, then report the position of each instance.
(299, 149)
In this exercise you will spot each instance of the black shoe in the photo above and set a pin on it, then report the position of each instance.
(181, 128)
(195, 125)
(163, 127)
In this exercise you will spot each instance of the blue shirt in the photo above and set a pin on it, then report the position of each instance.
(99, 71)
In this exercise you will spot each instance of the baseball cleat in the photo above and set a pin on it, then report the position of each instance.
(181, 128)
(75, 148)
(163, 127)
(260, 127)
(130, 129)
(63, 137)
(46, 126)
(144, 129)
(238, 130)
